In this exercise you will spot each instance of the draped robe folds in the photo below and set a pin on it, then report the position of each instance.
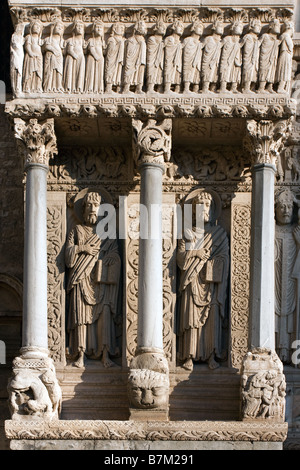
(268, 58)
(202, 303)
(74, 71)
(192, 55)
(88, 296)
(285, 61)
(173, 61)
(210, 59)
(53, 64)
(33, 64)
(250, 58)
(286, 292)
(135, 61)
(16, 61)
(114, 60)
(231, 61)
(94, 67)
(155, 60)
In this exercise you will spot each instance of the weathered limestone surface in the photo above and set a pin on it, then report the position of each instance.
(208, 123)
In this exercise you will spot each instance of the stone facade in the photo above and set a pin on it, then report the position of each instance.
(151, 334)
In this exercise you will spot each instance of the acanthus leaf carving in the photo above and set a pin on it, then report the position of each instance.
(36, 140)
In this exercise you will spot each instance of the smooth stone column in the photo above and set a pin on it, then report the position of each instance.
(35, 324)
(262, 284)
(150, 291)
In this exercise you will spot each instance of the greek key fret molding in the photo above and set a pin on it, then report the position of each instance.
(142, 107)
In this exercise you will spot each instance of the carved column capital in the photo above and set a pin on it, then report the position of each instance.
(265, 139)
(152, 141)
(36, 140)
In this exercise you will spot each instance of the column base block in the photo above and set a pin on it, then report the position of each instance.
(149, 415)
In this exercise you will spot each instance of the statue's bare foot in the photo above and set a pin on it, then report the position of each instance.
(188, 364)
(106, 360)
(212, 363)
(80, 360)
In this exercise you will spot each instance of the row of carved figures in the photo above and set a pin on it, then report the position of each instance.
(152, 61)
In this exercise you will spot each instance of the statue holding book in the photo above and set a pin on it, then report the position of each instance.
(203, 259)
(93, 284)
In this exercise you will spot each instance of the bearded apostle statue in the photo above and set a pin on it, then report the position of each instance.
(93, 285)
(203, 259)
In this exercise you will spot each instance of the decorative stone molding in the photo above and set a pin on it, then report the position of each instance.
(131, 35)
(263, 386)
(36, 140)
(152, 107)
(265, 139)
(240, 277)
(150, 430)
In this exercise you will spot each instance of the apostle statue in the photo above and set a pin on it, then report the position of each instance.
(33, 60)
(192, 58)
(155, 58)
(114, 58)
(94, 80)
(269, 49)
(135, 58)
(53, 58)
(285, 61)
(17, 58)
(231, 59)
(250, 50)
(173, 58)
(203, 259)
(211, 57)
(74, 70)
(93, 285)
(287, 274)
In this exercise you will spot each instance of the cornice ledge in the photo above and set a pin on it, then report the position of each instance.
(155, 431)
(144, 106)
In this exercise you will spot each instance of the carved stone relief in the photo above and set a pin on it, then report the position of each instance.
(125, 53)
(203, 259)
(263, 386)
(93, 282)
(240, 277)
(56, 236)
(34, 390)
(287, 273)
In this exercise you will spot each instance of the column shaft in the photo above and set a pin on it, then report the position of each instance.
(262, 254)
(150, 301)
(35, 259)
